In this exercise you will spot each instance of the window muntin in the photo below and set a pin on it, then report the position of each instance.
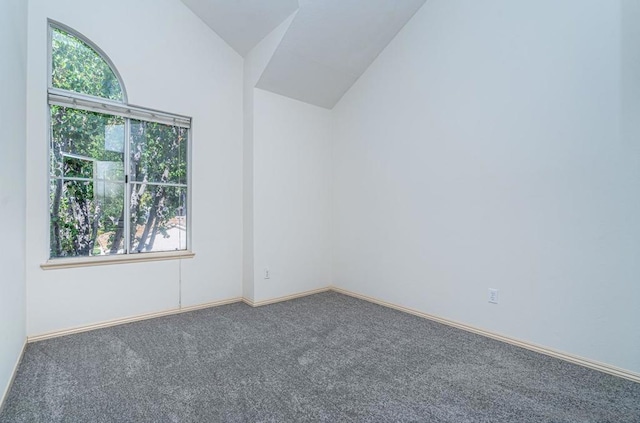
(118, 173)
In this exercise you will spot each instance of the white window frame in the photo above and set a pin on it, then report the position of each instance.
(71, 99)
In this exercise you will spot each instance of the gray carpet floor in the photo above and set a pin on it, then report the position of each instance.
(326, 357)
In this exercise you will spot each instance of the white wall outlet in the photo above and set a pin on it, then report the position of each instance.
(493, 296)
(267, 274)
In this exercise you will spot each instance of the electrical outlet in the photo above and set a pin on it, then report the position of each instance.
(493, 296)
(267, 274)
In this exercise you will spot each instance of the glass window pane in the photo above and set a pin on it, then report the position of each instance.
(77, 167)
(158, 218)
(78, 67)
(86, 144)
(87, 218)
(158, 153)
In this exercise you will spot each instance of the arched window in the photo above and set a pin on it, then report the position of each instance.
(118, 173)
(82, 68)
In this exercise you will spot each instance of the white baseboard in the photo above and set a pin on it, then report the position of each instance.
(137, 318)
(13, 375)
(285, 298)
(130, 319)
(591, 364)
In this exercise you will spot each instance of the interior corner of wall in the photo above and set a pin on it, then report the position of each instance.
(258, 59)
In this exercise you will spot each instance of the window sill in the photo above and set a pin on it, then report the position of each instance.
(67, 263)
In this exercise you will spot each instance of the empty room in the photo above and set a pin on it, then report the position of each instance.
(320, 210)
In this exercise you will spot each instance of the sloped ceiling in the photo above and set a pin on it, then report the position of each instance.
(328, 45)
(242, 23)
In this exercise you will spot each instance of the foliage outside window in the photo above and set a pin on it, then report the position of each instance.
(118, 173)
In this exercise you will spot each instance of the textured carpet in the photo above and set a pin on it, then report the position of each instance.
(326, 357)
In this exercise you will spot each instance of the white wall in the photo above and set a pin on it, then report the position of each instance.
(495, 144)
(292, 175)
(169, 60)
(254, 64)
(13, 67)
(287, 153)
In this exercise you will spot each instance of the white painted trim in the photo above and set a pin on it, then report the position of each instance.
(591, 364)
(13, 375)
(66, 263)
(131, 319)
(285, 298)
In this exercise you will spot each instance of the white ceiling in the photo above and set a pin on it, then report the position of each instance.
(328, 45)
(242, 23)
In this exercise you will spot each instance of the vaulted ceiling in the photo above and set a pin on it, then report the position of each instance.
(326, 48)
